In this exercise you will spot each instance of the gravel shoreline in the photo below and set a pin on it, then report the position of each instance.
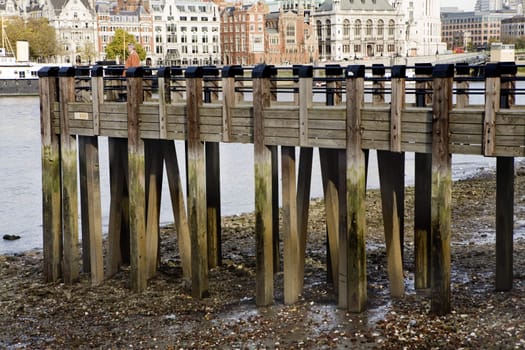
(37, 316)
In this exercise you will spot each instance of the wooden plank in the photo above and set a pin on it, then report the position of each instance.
(263, 196)
(327, 113)
(68, 150)
(51, 186)
(97, 92)
(355, 197)
(326, 124)
(377, 114)
(196, 190)
(327, 143)
(441, 192)
(91, 212)
(281, 123)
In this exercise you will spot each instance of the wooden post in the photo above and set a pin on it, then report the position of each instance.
(355, 191)
(51, 182)
(164, 82)
(505, 191)
(441, 189)
(263, 187)
(229, 99)
(391, 166)
(304, 181)
(90, 208)
(422, 190)
(492, 106)
(137, 189)
(213, 184)
(334, 189)
(68, 150)
(378, 86)
(462, 85)
(196, 185)
(396, 106)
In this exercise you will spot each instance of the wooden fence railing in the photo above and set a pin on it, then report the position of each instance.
(342, 111)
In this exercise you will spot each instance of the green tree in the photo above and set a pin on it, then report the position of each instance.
(88, 52)
(118, 47)
(37, 32)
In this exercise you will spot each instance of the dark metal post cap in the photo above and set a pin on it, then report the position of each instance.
(97, 71)
(399, 71)
(378, 69)
(355, 71)
(135, 72)
(492, 70)
(443, 71)
(193, 72)
(66, 72)
(462, 68)
(333, 69)
(232, 71)
(164, 72)
(264, 71)
(304, 71)
(508, 68)
(210, 70)
(50, 71)
(423, 69)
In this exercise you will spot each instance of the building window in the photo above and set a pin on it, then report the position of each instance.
(369, 28)
(391, 28)
(357, 29)
(380, 27)
(346, 28)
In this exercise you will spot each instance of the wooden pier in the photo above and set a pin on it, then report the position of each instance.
(342, 111)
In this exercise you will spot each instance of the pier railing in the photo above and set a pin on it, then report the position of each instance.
(342, 111)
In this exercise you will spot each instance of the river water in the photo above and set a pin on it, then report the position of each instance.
(20, 172)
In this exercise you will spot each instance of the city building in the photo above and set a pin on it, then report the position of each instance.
(290, 38)
(132, 16)
(75, 25)
(186, 33)
(471, 30)
(513, 28)
(349, 29)
(423, 26)
(243, 33)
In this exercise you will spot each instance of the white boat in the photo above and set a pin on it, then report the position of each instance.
(18, 78)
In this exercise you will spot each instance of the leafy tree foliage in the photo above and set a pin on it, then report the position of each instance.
(118, 47)
(41, 36)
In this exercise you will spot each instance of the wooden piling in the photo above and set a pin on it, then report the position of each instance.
(422, 189)
(196, 185)
(263, 187)
(462, 85)
(137, 181)
(68, 150)
(51, 180)
(153, 189)
(441, 189)
(355, 191)
(505, 190)
(229, 98)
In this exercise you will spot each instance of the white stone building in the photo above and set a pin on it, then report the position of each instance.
(423, 26)
(349, 29)
(185, 32)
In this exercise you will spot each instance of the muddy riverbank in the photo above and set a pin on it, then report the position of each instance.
(35, 315)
